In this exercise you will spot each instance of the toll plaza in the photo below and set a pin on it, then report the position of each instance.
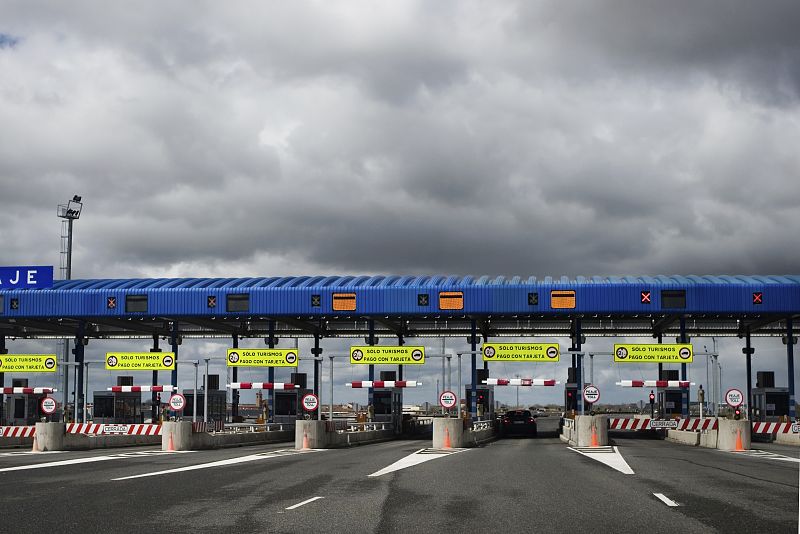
(390, 309)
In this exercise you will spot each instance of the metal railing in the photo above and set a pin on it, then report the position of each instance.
(257, 427)
(485, 424)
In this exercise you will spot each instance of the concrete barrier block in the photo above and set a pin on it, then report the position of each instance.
(443, 426)
(709, 439)
(314, 431)
(787, 439)
(684, 437)
(585, 425)
(50, 436)
(728, 431)
(181, 432)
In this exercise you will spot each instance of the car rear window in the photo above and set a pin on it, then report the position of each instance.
(518, 414)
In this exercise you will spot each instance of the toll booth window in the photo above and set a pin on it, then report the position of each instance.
(103, 406)
(673, 298)
(135, 303)
(238, 303)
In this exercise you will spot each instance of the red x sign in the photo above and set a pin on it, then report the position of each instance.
(645, 297)
(758, 298)
(112, 303)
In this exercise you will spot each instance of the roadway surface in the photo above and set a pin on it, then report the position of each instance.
(517, 485)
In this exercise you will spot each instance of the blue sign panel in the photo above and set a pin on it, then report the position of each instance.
(26, 277)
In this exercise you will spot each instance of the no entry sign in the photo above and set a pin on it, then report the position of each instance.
(310, 402)
(734, 397)
(591, 394)
(48, 405)
(448, 399)
(177, 402)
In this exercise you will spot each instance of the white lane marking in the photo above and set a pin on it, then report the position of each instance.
(416, 458)
(298, 505)
(88, 460)
(609, 456)
(758, 453)
(666, 500)
(229, 461)
(26, 453)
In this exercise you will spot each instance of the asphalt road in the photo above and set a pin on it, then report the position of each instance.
(515, 485)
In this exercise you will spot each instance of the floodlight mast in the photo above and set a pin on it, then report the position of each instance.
(70, 212)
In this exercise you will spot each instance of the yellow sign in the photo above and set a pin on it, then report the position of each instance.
(140, 361)
(387, 355)
(521, 352)
(27, 363)
(262, 358)
(652, 353)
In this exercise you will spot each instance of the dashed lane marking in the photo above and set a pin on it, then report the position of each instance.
(229, 461)
(298, 505)
(416, 458)
(666, 500)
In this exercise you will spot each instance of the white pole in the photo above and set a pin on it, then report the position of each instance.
(330, 414)
(205, 395)
(194, 397)
(86, 393)
(458, 393)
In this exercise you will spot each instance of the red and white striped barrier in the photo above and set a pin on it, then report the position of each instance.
(28, 391)
(128, 430)
(692, 425)
(17, 431)
(136, 389)
(520, 382)
(628, 424)
(384, 384)
(277, 386)
(655, 383)
(775, 428)
(213, 426)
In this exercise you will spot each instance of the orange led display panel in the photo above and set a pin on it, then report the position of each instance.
(344, 302)
(562, 300)
(451, 300)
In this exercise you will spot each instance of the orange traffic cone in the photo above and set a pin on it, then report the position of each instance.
(305, 441)
(171, 444)
(739, 447)
(35, 447)
(447, 444)
(595, 442)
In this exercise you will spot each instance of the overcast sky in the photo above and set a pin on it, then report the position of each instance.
(296, 138)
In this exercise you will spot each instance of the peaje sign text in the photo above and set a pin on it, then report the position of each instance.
(27, 277)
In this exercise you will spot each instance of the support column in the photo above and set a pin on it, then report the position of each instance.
(790, 365)
(684, 391)
(79, 357)
(271, 374)
(578, 358)
(316, 351)
(748, 352)
(473, 398)
(174, 340)
(401, 342)
(154, 395)
(235, 392)
(4, 350)
(371, 341)
(660, 365)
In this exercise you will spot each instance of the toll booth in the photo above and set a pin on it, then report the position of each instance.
(217, 401)
(485, 400)
(769, 402)
(21, 409)
(388, 403)
(287, 407)
(117, 408)
(669, 400)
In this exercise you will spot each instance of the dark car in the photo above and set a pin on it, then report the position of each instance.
(518, 423)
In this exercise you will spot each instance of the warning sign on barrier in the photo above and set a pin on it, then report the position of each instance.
(262, 358)
(521, 352)
(387, 355)
(28, 363)
(654, 424)
(140, 361)
(654, 353)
